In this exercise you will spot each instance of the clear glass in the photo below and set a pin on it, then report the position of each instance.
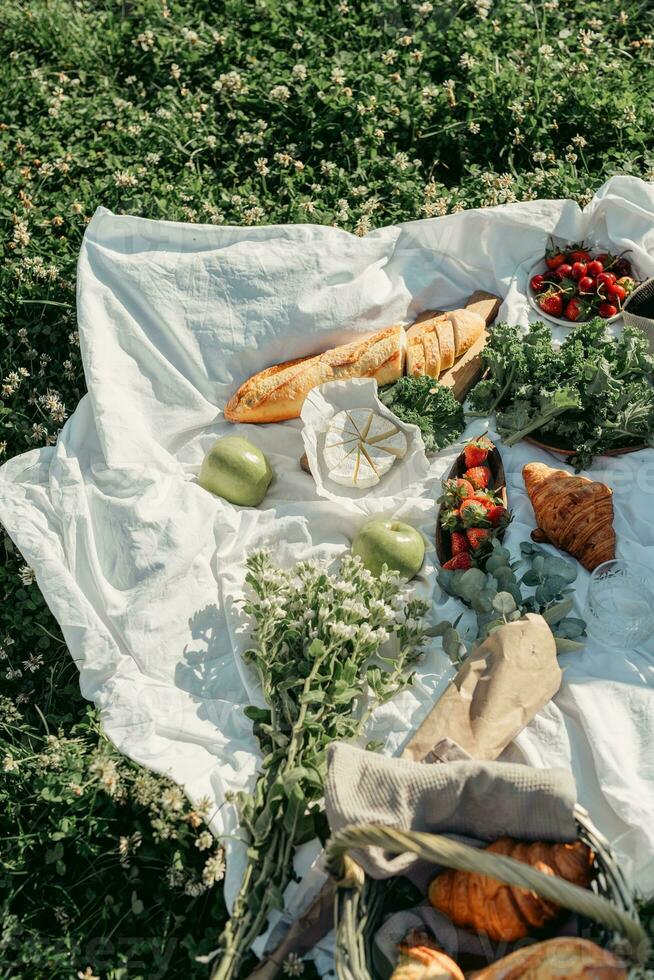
(620, 603)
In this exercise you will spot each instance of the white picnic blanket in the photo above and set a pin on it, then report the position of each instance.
(142, 567)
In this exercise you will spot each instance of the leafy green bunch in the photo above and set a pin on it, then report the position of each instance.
(497, 597)
(327, 649)
(429, 405)
(592, 394)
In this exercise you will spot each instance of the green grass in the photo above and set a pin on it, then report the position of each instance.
(241, 111)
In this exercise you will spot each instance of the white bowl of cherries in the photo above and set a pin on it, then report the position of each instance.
(573, 284)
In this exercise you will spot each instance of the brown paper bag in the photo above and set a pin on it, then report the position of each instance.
(496, 693)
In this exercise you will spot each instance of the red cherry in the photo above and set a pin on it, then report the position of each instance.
(578, 255)
(563, 271)
(586, 284)
(607, 310)
(578, 270)
(605, 279)
(594, 268)
(537, 283)
(618, 291)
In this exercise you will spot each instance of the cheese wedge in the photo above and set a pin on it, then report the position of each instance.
(361, 446)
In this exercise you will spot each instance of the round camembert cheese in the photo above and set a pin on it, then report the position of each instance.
(361, 446)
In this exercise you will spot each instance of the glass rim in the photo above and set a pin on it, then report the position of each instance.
(629, 564)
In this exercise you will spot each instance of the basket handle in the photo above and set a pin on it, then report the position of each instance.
(452, 854)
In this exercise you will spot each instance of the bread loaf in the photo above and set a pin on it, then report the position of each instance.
(429, 348)
(278, 393)
(565, 958)
(421, 959)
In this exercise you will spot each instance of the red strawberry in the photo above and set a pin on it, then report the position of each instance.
(606, 310)
(554, 257)
(479, 476)
(459, 543)
(477, 536)
(476, 452)
(575, 309)
(460, 562)
(496, 514)
(485, 498)
(451, 519)
(627, 283)
(464, 488)
(551, 302)
(473, 513)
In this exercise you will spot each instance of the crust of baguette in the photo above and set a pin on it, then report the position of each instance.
(427, 361)
(468, 327)
(445, 332)
(278, 393)
(415, 353)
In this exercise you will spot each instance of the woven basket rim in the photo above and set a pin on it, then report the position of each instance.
(609, 885)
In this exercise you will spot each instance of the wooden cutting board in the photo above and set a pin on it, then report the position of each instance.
(466, 372)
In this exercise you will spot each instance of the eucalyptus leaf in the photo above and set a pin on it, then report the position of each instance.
(504, 603)
(564, 645)
(557, 612)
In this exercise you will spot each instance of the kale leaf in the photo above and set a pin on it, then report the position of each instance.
(592, 394)
(430, 406)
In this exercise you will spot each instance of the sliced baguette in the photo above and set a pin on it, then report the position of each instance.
(445, 333)
(424, 357)
(415, 352)
(278, 393)
(468, 327)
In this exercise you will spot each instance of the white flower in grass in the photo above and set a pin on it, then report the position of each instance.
(9, 764)
(145, 40)
(204, 840)
(88, 974)
(214, 869)
(26, 575)
(172, 799)
(293, 965)
(299, 72)
(280, 93)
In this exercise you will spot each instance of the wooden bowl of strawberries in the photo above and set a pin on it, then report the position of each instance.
(574, 283)
(473, 507)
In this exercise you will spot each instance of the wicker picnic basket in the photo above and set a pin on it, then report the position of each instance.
(606, 913)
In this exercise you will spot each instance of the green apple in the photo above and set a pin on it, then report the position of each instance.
(236, 469)
(388, 541)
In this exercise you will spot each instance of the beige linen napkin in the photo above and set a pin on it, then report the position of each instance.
(483, 800)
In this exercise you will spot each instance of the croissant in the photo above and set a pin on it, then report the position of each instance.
(572, 512)
(505, 912)
(556, 959)
(421, 959)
